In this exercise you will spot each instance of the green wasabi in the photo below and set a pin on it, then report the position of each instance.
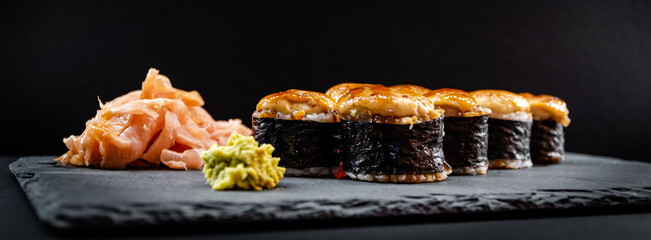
(241, 164)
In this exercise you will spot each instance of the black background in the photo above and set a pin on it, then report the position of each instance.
(58, 56)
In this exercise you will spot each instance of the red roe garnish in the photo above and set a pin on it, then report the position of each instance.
(340, 173)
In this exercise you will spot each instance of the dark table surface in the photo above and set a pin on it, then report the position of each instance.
(18, 221)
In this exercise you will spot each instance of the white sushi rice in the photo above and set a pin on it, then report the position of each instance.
(316, 117)
(471, 170)
(510, 163)
(513, 116)
(399, 178)
(320, 117)
(310, 172)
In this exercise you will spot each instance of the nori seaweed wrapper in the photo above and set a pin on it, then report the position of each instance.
(374, 148)
(299, 144)
(508, 139)
(465, 143)
(547, 142)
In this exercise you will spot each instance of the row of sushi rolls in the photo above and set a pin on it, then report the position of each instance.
(370, 132)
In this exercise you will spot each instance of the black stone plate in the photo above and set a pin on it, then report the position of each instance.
(67, 197)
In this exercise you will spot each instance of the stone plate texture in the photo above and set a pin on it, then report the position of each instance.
(67, 197)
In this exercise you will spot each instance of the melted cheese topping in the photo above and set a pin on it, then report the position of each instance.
(294, 104)
(387, 105)
(457, 103)
(336, 91)
(545, 107)
(419, 89)
(504, 104)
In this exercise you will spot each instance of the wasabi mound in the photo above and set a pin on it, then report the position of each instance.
(241, 164)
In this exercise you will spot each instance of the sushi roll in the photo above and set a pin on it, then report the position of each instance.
(392, 135)
(509, 128)
(300, 125)
(336, 91)
(465, 143)
(419, 89)
(550, 115)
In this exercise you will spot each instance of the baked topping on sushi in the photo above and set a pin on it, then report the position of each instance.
(296, 104)
(504, 104)
(545, 107)
(336, 91)
(457, 103)
(381, 104)
(419, 89)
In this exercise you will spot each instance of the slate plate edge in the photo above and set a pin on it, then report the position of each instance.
(34, 196)
(67, 216)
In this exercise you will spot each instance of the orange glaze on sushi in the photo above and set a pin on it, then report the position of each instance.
(336, 91)
(456, 103)
(387, 105)
(296, 104)
(419, 89)
(545, 107)
(504, 104)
